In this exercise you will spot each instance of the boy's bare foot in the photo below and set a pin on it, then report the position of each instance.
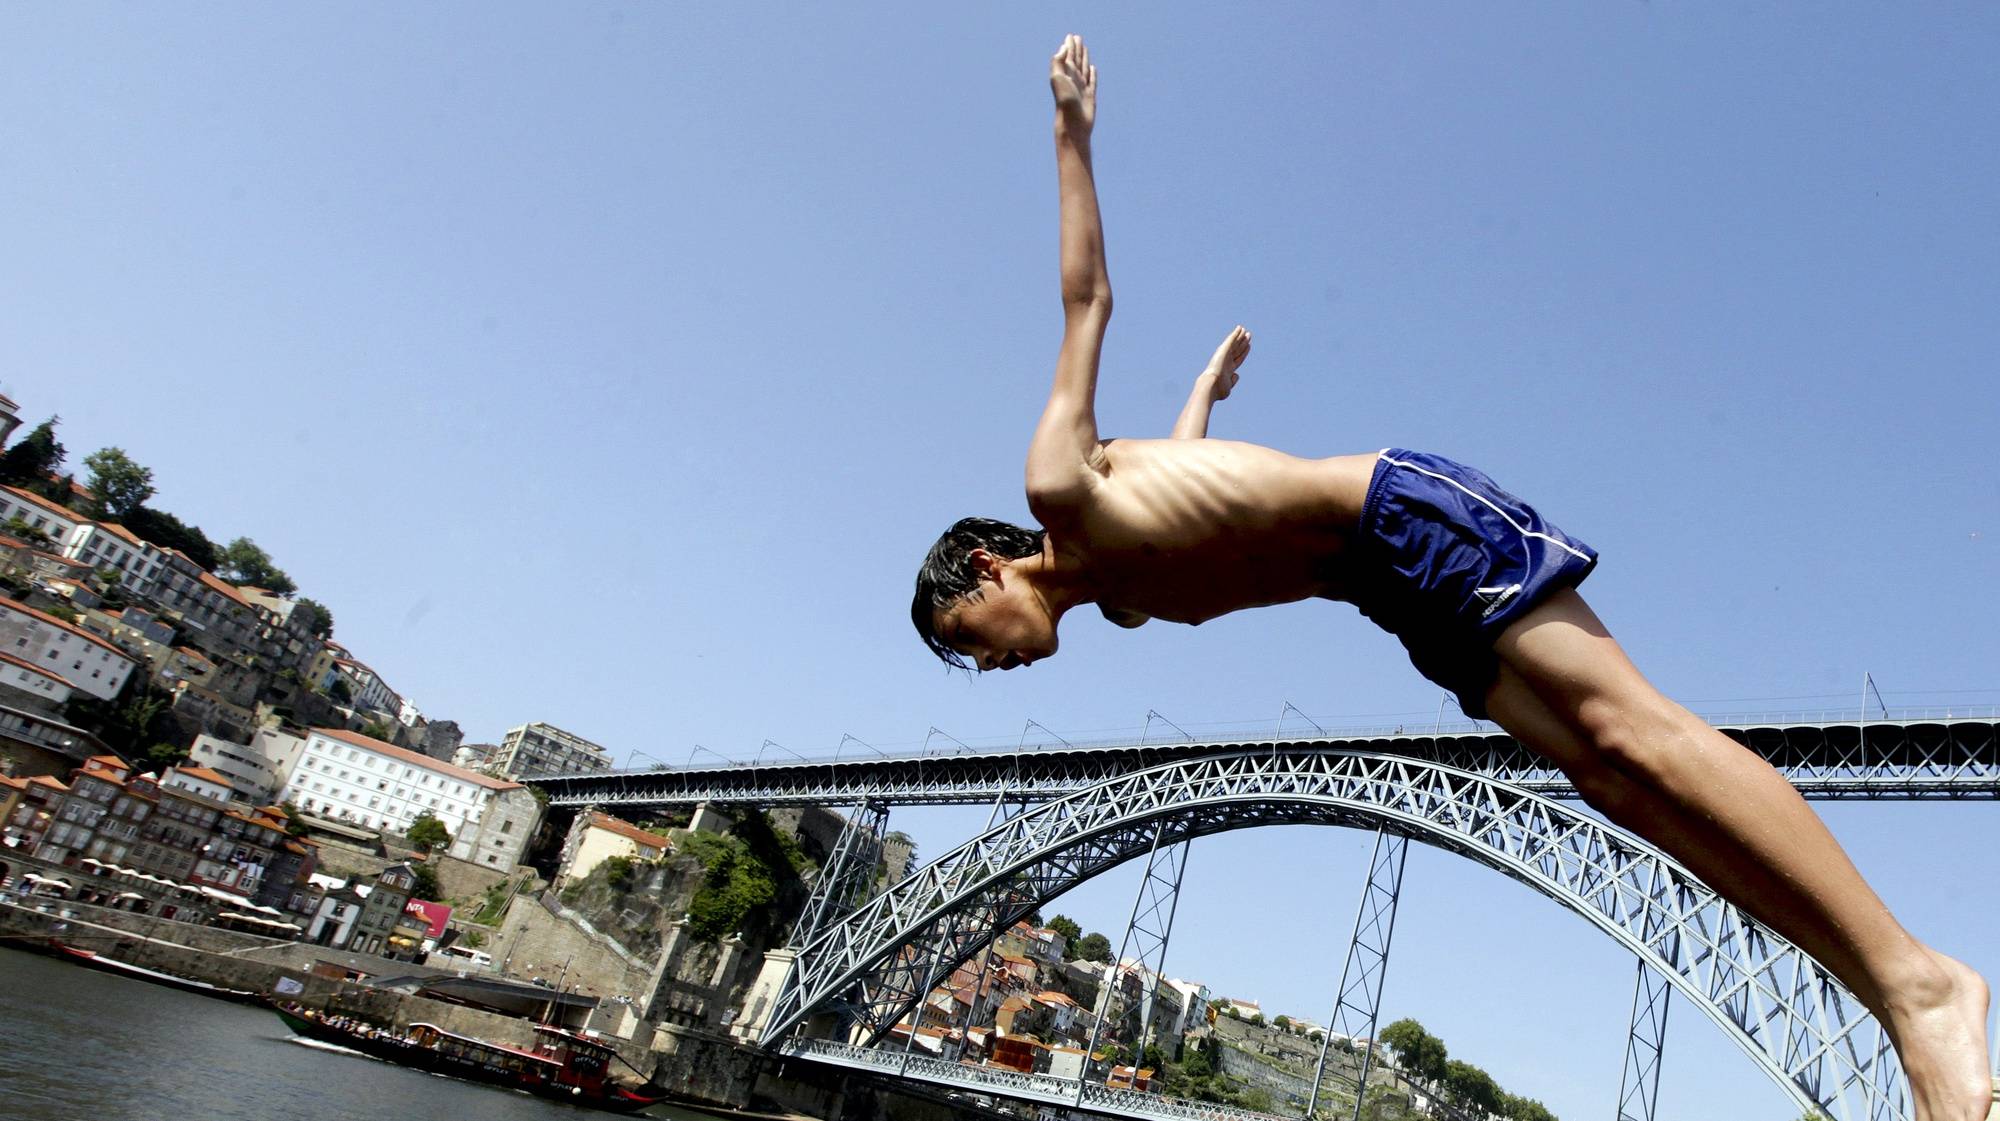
(1941, 1039)
(1221, 371)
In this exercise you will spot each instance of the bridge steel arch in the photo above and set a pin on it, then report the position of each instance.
(1782, 1009)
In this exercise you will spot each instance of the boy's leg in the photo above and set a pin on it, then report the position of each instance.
(1566, 689)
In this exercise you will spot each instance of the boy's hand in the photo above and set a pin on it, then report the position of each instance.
(1073, 80)
(1221, 372)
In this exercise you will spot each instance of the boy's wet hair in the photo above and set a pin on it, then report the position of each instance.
(947, 575)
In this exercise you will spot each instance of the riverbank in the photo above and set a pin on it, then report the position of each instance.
(711, 1075)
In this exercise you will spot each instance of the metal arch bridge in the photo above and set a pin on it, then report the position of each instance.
(1480, 795)
(1909, 758)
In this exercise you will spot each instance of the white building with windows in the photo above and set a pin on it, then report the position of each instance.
(47, 687)
(86, 662)
(57, 523)
(351, 777)
(541, 749)
(502, 833)
(252, 775)
(102, 546)
(367, 687)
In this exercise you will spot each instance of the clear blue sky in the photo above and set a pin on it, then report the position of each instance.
(614, 366)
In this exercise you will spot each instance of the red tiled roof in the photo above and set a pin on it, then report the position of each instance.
(66, 562)
(205, 775)
(13, 661)
(131, 538)
(55, 622)
(217, 584)
(629, 831)
(112, 760)
(80, 774)
(369, 743)
(55, 508)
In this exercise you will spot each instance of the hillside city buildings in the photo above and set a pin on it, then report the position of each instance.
(540, 749)
(300, 754)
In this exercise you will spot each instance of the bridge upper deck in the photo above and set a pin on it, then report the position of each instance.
(1937, 758)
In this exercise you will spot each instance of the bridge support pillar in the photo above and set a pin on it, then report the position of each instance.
(1359, 997)
(718, 981)
(771, 977)
(668, 969)
(1646, 1042)
(1147, 934)
(1645, 1046)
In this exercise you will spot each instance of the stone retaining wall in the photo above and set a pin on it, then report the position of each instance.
(536, 942)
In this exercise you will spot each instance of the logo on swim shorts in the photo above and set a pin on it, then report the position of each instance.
(1494, 598)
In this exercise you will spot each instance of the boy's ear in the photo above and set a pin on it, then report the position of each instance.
(985, 565)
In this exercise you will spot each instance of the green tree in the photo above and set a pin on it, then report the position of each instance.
(169, 532)
(121, 486)
(427, 882)
(1094, 947)
(376, 730)
(742, 874)
(1282, 1023)
(1416, 1050)
(1066, 926)
(1198, 1064)
(427, 832)
(33, 457)
(244, 563)
(318, 620)
(1471, 1086)
(619, 871)
(1527, 1109)
(164, 755)
(295, 825)
(18, 527)
(131, 723)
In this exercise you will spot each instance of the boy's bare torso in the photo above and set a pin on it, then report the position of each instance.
(1187, 530)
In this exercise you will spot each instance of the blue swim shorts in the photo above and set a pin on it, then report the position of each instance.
(1445, 560)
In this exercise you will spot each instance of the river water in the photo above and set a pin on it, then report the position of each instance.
(77, 1045)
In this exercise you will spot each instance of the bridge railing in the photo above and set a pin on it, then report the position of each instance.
(1226, 735)
(1045, 1088)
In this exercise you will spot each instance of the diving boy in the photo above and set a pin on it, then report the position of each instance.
(1479, 588)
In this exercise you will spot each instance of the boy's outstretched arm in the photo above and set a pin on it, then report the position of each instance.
(1213, 385)
(1061, 458)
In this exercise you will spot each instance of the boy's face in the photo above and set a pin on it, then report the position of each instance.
(1006, 625)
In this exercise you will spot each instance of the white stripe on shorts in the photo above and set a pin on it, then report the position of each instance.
(1489, 504)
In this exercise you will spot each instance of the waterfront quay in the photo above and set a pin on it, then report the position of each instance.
(129, 1021)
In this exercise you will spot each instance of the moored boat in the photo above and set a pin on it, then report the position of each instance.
(563, 1066)
(92, 959)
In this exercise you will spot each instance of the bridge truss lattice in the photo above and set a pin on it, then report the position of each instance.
(1810, 1035)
